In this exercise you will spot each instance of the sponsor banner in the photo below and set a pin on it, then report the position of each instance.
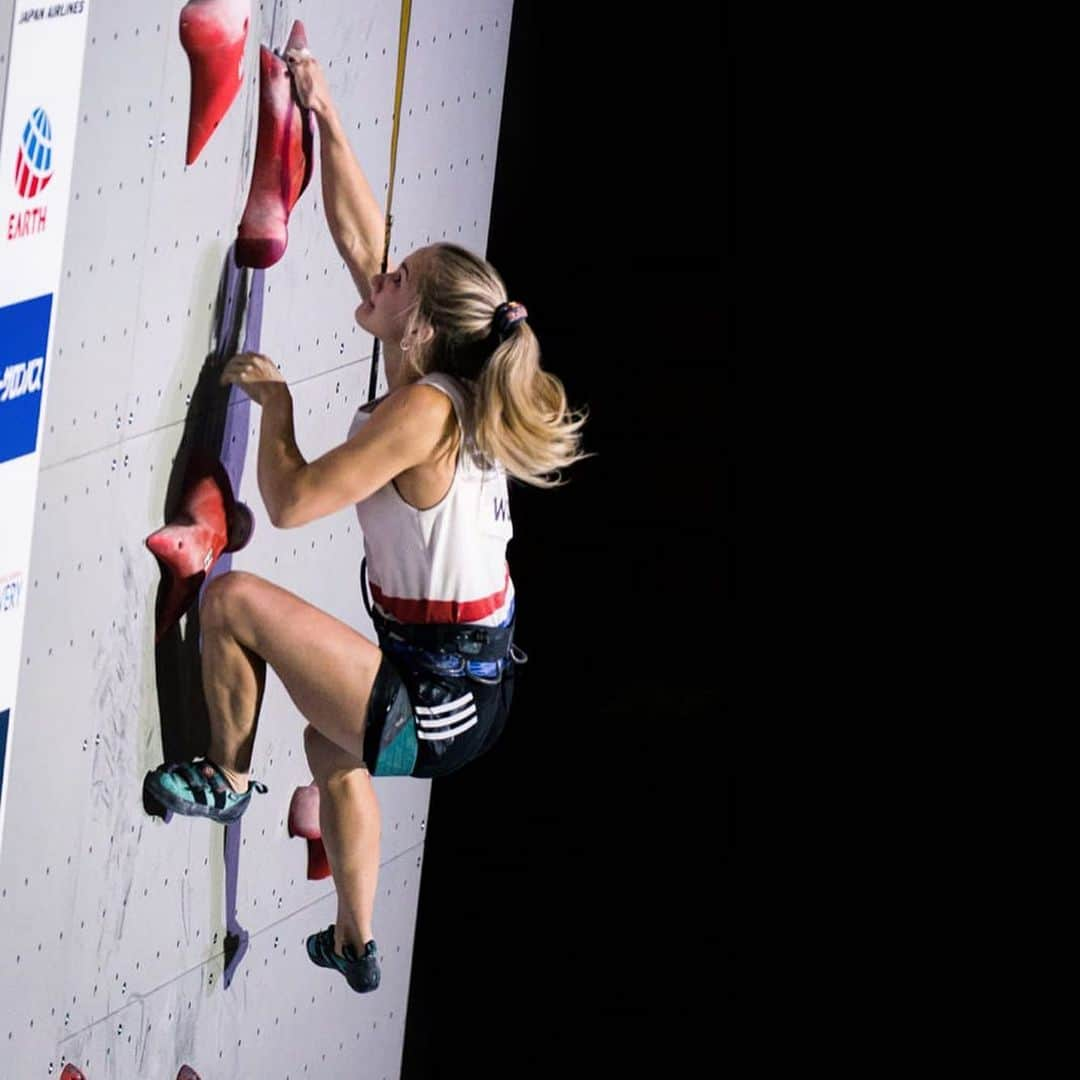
(37, 150)
(24, 337)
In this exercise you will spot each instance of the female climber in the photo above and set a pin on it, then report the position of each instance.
(426, 467)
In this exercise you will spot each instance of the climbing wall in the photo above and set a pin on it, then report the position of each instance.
(112, 922)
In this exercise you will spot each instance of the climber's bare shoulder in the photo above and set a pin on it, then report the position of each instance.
(404, 437)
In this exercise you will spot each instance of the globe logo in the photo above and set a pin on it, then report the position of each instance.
(33, 167)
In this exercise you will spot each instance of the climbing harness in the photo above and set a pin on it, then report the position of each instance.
(455, 649)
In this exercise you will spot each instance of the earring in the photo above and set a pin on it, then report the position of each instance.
(404, 347)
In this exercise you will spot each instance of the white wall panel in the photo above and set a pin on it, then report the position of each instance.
(112, 922)
(450, 124)
(265, 1023)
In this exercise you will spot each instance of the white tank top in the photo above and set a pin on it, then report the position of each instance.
(445, 564)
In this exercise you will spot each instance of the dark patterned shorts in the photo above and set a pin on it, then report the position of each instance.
(425, 723)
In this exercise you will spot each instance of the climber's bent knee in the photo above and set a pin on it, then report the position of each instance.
(226, 597)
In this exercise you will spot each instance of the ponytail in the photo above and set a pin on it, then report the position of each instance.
(520, 416)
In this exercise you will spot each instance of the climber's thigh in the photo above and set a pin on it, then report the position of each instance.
(327, 667)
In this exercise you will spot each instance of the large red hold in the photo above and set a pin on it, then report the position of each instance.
(209, 522)
(284, 160)
(213, 34)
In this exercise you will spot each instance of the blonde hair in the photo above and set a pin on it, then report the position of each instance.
(519, 412)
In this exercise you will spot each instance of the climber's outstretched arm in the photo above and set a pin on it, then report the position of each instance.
(354, 216)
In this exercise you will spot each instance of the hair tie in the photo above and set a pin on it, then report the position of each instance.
(507, 316)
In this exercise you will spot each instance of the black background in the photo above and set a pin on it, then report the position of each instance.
(574, 908)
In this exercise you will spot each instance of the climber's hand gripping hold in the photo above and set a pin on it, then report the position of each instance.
(259, 376)
(309, 80)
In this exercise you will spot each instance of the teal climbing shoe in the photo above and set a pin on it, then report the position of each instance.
(361, 971)
(198, 789)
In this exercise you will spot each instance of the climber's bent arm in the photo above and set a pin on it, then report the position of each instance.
(405, 431)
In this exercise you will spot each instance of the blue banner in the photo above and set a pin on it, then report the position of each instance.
(24, 337)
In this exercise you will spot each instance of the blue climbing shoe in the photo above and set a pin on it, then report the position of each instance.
(198, 789)
(360, 971)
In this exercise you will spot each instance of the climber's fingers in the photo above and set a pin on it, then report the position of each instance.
(254, 372)
(308, 78)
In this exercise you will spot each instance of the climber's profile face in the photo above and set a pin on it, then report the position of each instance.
(394, 296)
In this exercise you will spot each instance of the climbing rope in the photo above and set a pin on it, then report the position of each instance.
(399, 93)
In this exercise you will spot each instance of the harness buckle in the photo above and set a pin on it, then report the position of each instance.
(472, 642)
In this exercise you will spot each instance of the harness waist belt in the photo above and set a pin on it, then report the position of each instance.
(471, 641)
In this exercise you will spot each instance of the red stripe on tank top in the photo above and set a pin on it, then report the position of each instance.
(440, 611)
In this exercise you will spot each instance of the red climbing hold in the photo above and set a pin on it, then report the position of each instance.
(187, 1073)
(213, 34)
(72, 1073)
(304, 821)
(284, 159)
(318, 865)
(304, 812)
(208, 522)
